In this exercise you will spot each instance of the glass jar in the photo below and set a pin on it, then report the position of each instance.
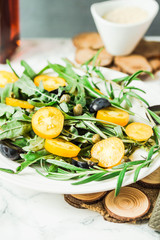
(9, 28)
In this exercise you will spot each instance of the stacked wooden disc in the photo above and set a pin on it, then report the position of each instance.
(130, 204)
(146, 56)
(133, 204)
(152, 180)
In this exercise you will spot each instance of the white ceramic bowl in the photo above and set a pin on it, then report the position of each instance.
(121, 39)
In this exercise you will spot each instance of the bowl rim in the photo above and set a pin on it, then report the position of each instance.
(150, 17)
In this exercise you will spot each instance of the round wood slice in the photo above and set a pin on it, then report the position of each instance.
(89, 198)
(129, 205)
(84, 54)
(155, 63)
(148, 49)
(73, 202)
(133, 63)
(152, 180)
(88, 40)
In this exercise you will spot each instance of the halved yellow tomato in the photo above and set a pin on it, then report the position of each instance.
(49, 83)
(139, 131)
(61, 147)
(113, 115)
(7, 77)
(48, 122)
(18, 103)
(109, 152)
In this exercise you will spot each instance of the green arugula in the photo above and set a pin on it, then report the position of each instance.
(13, 129)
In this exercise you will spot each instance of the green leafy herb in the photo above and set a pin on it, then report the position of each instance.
(32, 157)
(28, 70)
(13, 129)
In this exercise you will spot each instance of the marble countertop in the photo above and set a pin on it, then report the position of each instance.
(26, 214)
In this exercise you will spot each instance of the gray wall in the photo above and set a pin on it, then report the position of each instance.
(62, 18)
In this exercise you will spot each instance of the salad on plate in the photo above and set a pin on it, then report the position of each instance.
(69, 122)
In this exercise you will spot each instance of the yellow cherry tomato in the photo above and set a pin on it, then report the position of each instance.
(109, 152)
(61, 147)
(49, 83)
(113, 115)
(18, 103)
(7, 77)
(48, 122)
(139, 131)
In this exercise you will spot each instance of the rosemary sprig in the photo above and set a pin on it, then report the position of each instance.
(66, 171)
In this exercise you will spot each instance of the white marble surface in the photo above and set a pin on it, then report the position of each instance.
(27, 214)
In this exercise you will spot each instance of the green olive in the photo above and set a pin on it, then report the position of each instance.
(96, 138)
(77, 110)
(65, 98)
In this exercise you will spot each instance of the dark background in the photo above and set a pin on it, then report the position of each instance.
(62, 18)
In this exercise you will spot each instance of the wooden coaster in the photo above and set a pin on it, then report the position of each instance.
(152, 180)
(76, 200)
(99, 205)
(148, 49)
(89, 198)
(130, 204)
(85, 54)
(145, 57)
(88, 40)
(72, 201)
(155, 64)
(133, 63)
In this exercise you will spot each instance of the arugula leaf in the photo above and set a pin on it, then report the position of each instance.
(26, 85)
(6, 92)
(14, 128)
(43, 70)
(20, 142)
(28, 70)
(4, 109)
(35, 144)
(64, 107)
(38, 103)
(32, 157)
(9, 64)
(74, 86)
(15, 91)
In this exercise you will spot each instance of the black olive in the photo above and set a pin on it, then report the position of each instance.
(80, 164)
(10, 151)
(83, 163)
(98, 104)
(155, 109)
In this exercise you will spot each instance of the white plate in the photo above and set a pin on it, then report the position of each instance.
(30, 179)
